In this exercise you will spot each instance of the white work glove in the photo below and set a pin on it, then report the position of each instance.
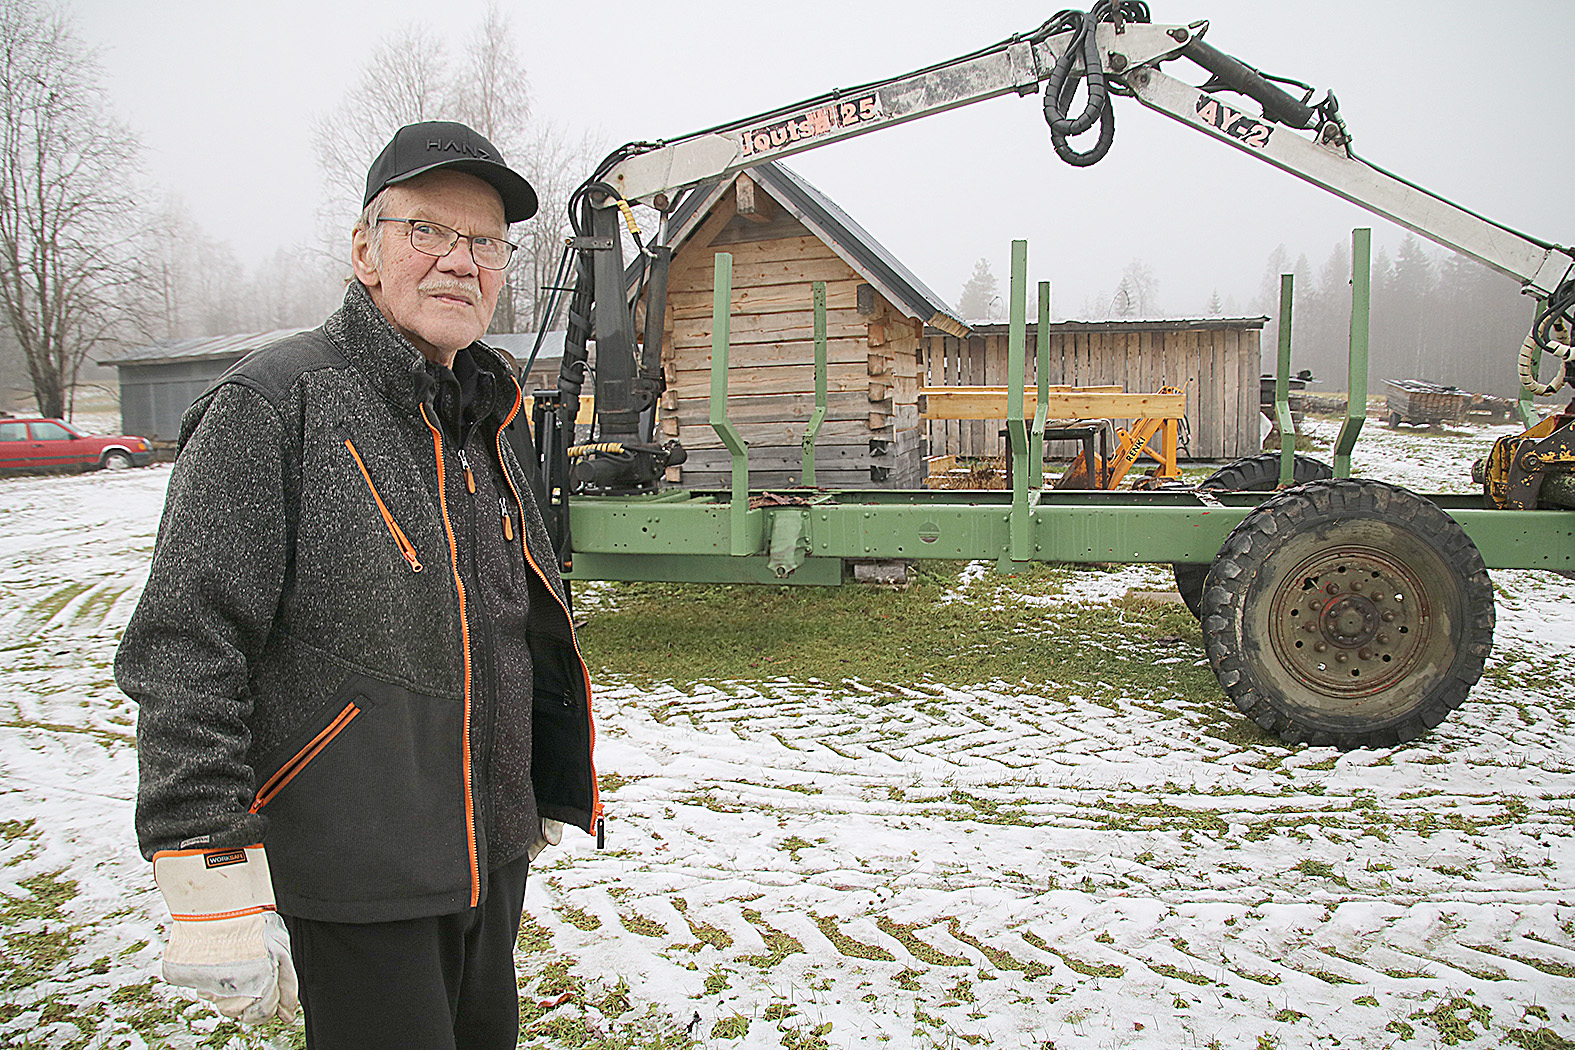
(551, 835)
(227, 944)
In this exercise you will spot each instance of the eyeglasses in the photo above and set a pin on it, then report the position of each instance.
(437, 240)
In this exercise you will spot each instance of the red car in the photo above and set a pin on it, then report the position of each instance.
(56, 444)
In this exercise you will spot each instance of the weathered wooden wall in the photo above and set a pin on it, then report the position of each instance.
(1216, 363)
(871, 433)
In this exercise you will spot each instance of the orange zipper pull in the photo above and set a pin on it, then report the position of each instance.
(508, 521)
(470, 479)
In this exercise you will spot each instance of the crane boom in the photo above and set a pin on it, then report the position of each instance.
(1112, 49)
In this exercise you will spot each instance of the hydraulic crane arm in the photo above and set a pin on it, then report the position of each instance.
(1326, 162)
(1130, 58)
(1113, 49)
(1014, 66)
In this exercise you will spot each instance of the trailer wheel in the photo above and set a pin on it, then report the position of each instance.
(1348, 613)
(1253, 474)
(1394, 421)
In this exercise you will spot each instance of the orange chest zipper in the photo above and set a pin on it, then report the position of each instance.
(406, 548)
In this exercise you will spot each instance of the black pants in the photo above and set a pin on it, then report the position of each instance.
(439, 983)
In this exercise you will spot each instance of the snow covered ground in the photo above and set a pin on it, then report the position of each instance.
(859, 862)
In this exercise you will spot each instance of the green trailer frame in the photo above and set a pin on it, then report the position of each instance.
(809, 535)
(1343, 611)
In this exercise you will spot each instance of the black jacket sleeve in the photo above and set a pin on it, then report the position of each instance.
(203, 618)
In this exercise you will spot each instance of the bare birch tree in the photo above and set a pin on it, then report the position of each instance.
(67, 274)
(409, 77)
(405, 80)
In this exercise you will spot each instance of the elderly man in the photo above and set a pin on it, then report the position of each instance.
(362, 707)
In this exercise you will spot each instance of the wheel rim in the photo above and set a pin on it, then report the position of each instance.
(1351, 621)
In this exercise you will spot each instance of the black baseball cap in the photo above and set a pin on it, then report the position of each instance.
(419, 148)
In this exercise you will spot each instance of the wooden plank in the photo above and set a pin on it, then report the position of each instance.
(979, 444)
(693, 251)
(769, 379)
(795, 297)
(744, 328)
(991, 404)
(995, 374)
(1233, 438)
(775, 249)
(1207, 398)
(753, 203)
(833, 431)
(950, 366)
(783, 352)
(1250, 394)
(1194, 370)
(777, 408)
(781, 271)
(1127, 374)
(1054, 388)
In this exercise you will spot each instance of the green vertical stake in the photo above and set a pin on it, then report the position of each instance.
(819, 415)
(721, 337)
(1016, 426)
(1356, 382)
(1036, 437)
(1282, 387)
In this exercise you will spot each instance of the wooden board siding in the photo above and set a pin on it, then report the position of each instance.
(1216, 366)
(871, 433)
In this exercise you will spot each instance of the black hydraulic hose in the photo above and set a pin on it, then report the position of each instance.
(1560, 308)
(1063, 82)
(1064, 78)
(1278, 105)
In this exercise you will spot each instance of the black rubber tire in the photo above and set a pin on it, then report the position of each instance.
(1348, 613)
(1258, 473)
(114, 459)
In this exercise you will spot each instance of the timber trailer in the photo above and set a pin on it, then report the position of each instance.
(1334, 610)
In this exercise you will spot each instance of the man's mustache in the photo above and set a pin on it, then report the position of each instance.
(447, 287)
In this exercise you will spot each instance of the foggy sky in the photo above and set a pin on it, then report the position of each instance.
(223, 96)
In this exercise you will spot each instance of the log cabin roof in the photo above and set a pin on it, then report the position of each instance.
(850, 241)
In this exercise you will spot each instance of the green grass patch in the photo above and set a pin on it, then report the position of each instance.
(580, 920)
(661, 632)
(636, 923)
(735, 1027)
(999, 958)
(902, 933)
(1454, 1018)
(846, 945)
(1166, 970)
(1555, 969)
(779, 945)
(1087, 969)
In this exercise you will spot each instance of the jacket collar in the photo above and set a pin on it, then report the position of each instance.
(392, 364)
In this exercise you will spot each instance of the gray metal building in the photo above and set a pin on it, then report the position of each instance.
(159, 381)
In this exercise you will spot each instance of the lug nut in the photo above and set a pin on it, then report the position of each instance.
(1382, 639)
(1389, 616)
(1339, 658)
(1320, 647)
(1365, 654)
(1333, 588)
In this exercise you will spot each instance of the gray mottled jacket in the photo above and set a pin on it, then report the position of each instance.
(303, 656)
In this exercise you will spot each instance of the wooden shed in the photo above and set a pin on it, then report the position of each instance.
(1213, 360)
(784, 235)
